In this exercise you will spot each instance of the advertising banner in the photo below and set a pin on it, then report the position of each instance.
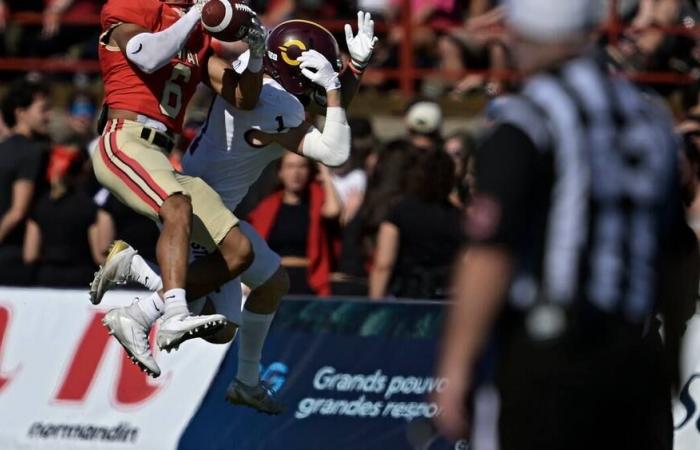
(686, 409)
(354, 376)
(66, 384)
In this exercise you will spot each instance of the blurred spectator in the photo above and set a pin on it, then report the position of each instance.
(25, 110)
(387, 171)
(420, 237)
(323, 9)
(690, 159)
(5, 132)
(644, 47)
(297, 221)
(690, 170)
(53, 36)
(61, 239)
(378, 8)
(76, 128)
(478, 45)
(275, 11)
(434, 13)
(117, 221)
(350, 179)
(424, 121)
(14, 36)
(460, 147)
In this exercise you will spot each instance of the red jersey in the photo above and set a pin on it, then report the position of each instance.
(164, 94)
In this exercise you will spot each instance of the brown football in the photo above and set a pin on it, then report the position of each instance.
(227, 20)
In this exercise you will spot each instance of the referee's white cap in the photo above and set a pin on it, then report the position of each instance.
(552, 20)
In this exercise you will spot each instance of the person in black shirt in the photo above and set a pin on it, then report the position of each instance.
(385, 187)
(574, 220)
(298, 221)
(115, 221)
(420, 237)
(25, 109)
(61, 238)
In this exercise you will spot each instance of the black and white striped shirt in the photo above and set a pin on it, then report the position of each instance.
(578, 179)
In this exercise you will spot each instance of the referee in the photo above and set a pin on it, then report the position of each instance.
(576, 204)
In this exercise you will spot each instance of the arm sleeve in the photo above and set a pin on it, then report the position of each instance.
(151, 51)
(506, 172)
(332, 146)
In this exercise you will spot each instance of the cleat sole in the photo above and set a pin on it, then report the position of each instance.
(133, 358)
(202, 331)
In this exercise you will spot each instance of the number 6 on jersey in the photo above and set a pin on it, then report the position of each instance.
(171, 100)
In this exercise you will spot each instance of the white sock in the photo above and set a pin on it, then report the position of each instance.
(251, 338)
(175, 303)
(142, 273)
(152, 306)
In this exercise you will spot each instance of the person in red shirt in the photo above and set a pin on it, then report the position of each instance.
(153, 55)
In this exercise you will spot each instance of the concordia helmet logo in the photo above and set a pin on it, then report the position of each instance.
(288, 45)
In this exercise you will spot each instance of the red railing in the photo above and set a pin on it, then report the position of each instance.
(406, 73)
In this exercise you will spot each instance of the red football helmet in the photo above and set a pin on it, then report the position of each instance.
(287, 42)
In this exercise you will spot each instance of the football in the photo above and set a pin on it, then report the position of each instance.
(227, 20)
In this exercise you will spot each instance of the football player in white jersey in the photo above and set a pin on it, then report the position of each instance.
(234, 146)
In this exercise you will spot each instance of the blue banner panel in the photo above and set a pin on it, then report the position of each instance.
(343, 391)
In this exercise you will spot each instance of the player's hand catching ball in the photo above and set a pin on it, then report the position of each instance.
(255, 38)
(362, 45)
(318, 69)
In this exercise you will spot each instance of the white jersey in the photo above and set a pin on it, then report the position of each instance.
(223, 155)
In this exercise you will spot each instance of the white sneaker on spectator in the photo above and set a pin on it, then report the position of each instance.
(178, 328)
(130, 327)
(114, 271)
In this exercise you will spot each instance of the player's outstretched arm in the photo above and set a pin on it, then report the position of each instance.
(150, 51)
(242, 90)
(332, 146)
(360, 47)
(242, 84)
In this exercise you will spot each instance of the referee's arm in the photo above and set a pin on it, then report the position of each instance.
(506, 171)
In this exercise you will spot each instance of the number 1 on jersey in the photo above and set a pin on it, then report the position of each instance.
(280, 121)
(171, 100)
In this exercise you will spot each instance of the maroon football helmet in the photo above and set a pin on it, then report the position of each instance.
(287, 42)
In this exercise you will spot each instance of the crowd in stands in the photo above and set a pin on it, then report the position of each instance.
(389, 223)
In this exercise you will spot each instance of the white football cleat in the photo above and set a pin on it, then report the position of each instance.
(130, 327)
(115, 270)
(176, 329)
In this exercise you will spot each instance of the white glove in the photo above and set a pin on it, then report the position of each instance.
(322, 74)
(362, 45)
(255, 38)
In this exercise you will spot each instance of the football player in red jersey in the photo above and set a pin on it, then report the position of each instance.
(153, 55)
(302, 66)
